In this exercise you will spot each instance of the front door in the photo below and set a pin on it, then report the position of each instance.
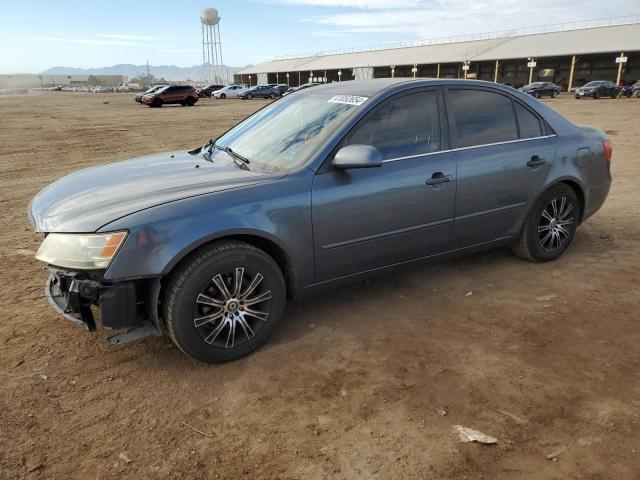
(372, 217)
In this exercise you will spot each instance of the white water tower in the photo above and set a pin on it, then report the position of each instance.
(212, 66)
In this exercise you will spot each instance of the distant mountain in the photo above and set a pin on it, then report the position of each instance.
(169, 72)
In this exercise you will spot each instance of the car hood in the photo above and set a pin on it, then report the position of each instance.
(88, 199)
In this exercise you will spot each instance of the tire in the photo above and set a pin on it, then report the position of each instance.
(157, 103)
(199, 275)
(531, 244)
(554, 94)
(596, 96)
(272, 96)
(536, 94)
(249, 96)
(223, 96)
(189, 102)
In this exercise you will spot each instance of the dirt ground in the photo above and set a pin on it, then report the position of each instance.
(355, 381)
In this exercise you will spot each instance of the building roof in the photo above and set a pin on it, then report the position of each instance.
(608, 39)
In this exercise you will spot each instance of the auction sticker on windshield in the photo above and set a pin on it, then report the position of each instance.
(348, 99)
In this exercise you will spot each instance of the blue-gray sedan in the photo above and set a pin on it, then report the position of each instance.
(327, 184)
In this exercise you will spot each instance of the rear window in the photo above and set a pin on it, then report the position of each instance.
(529, 124)
(482, 117)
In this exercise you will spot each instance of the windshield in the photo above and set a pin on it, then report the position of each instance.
(284, 134)
(593, 84)
(536, 84)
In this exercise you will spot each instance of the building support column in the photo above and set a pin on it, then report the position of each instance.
(495, 75)
(531, 73)
(277, 81)
(619, 70)
(438, 71)
(299, 73)
(573, 66)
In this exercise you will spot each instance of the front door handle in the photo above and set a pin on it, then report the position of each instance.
(535, 161)
(438, 178)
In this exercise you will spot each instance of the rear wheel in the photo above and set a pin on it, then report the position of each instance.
(189, 102)
(550, 226)
(224, 302)
(596, 96)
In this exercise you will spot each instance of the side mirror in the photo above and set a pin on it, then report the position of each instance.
(357, 156)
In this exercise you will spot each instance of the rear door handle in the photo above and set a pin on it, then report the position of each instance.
(535, 161)
(438, 178)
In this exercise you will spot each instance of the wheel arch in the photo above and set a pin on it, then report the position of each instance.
(577, 188)
(259, 240)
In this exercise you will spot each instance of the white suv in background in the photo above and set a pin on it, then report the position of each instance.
(230, 91)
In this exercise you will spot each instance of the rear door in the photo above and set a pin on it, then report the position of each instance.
(503, 153)
(372, 217)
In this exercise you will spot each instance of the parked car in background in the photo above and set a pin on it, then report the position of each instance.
(155, 88)
(128, 87)
(261, 91)
(301, 87)
(230, 91)
(317, 188)
(597, 89)
(207, 90)
(541, 89)
(184, 95)
(280, 87)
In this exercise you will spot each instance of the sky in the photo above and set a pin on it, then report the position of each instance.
(38, 34)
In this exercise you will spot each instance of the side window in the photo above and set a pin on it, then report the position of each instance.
(528, 122)
(482, 117)
(403, 127)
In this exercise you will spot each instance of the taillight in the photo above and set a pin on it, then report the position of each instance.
(608, 149)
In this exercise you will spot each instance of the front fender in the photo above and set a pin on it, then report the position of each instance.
(160, 237)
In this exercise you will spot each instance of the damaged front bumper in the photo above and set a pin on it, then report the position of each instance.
(129, 305)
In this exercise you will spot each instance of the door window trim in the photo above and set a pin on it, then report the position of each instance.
(546, 130)
(445, 136)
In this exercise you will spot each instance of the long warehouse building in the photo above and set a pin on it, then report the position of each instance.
(568, 55)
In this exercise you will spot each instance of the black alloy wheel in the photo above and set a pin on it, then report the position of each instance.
(224, 301)
(550, 226)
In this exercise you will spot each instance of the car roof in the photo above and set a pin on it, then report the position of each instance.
(371, 87)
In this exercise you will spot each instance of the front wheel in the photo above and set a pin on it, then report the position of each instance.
(536, 95)
(550, 226)
(224, 301)
(157, 103)
(272, 96)
(222, 96)
(554, 94)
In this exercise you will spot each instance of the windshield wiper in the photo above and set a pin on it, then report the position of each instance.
(237, 158)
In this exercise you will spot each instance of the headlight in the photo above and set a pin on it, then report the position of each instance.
(81, 251)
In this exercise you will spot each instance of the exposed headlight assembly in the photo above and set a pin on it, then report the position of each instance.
(80, 251)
